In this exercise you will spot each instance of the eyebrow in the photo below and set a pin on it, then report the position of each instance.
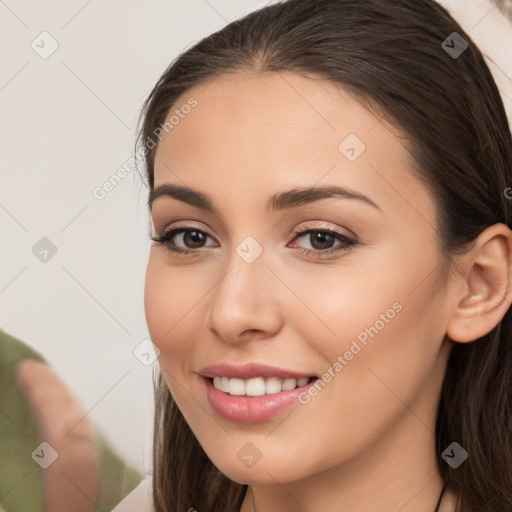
(281, 201)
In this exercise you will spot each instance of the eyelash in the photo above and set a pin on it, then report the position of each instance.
(348, 243)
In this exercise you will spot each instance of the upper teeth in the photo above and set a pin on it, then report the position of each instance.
(257, 386)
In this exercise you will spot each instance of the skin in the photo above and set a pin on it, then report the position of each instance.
(366, 441)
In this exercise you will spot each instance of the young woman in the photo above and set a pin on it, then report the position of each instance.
(330, 279)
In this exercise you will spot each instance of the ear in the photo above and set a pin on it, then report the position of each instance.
(485, 292)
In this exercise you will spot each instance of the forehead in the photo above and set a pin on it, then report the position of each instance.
(269, 115)
(265, 132)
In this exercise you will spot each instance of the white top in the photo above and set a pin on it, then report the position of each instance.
(139, 500)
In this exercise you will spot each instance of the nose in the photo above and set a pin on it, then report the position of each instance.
(245, 303)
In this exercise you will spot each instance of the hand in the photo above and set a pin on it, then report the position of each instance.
(71, 482)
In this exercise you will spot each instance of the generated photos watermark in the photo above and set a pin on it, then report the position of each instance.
(355, 347)
(101, 191)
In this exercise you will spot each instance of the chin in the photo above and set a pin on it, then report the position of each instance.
(262, 473)
(251, 476)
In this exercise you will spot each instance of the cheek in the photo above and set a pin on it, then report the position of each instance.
(389, 319)
(379, 341)
(171, 306)
(173, 302)
(339, 305)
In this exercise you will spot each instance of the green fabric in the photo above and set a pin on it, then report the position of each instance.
(21, 479)
(117, 479)
(505, 6)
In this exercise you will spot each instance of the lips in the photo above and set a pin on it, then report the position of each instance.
(251, 409)
(249, 371)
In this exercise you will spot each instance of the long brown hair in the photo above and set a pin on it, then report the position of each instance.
(389, 54)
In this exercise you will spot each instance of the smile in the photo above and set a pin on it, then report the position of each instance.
(250, 409)
(258, 386)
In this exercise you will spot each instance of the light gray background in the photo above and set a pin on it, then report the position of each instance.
(66, 125)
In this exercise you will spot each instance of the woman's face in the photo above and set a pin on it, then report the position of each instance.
(367, 319)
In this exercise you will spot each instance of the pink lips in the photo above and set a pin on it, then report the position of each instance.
(248, 371)
(250, 409)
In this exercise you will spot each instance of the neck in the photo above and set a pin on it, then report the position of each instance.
(450, 501)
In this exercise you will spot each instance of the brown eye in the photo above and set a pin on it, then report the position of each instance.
(321, 241)
(189, 239)
(193, 239)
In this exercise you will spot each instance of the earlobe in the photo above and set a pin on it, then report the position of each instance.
(487, 273)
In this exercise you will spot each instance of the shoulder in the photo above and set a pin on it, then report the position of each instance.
(139, 500)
